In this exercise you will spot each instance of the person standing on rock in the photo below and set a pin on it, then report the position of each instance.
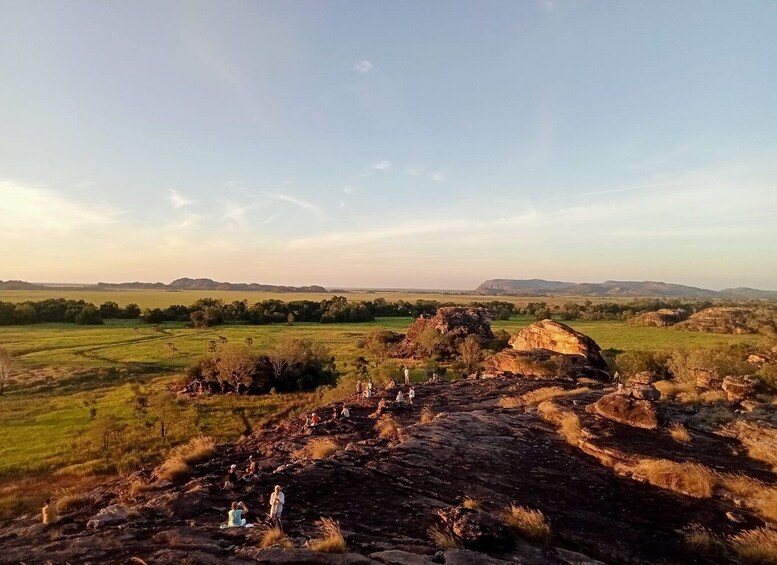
(370, 388)
(407, 376)
(277, 500)
(359, 388)
(411, 395)
(49, 512)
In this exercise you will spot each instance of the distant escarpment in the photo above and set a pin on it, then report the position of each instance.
(539, 287)
(208, 284)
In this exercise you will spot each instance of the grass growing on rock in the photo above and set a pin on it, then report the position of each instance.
(691, 479)
(472, 503)
(387, 426)
(272, 536)
(702, 539)
(70, 501)
(538, 396)
(427, 414)
(528, 523)
(196, 450)
(567, 422)
(331, 540)
(320, 448)
(680, 433)
(442, 539)
(755, 547)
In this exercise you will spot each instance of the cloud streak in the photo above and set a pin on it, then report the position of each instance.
(178, 200)
(363, 67)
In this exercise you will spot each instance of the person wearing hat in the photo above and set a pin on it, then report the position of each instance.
(231, 477)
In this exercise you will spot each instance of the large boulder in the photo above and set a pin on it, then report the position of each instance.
(560, 338)
(739, 388)
(543, 363)
(475, 528)
(111, 515)
(626, 410)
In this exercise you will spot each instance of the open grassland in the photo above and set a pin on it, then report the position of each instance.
(165, 298)
(69, 380)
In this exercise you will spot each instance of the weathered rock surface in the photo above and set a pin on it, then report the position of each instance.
(660, 318)
(386, 494)
(560, 338)
(543, 363)
(739, 388)
(476, 529)
(720, 319)
(626, 410)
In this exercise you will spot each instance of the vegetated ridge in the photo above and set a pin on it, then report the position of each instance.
(535, 287)
(184, 283)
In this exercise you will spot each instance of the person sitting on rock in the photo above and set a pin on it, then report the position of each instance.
(411, 395)
(250, 470)
(400, 397)
(345, 413)
(334, 413)
(392, 384)
(49, 512)
(231, 477)
(235, 517)
(277, 500)
(314, 420)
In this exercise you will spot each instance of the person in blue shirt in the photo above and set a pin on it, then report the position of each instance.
(235, 518)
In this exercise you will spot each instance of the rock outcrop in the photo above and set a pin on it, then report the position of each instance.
(452, 323)
(623, 409)
(720, 319)
(660, 318)
(542, 363)
(739, 388)
(560, 338)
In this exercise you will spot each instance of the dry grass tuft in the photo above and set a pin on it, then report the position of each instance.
(756, 546)
(673, 390)
(539, 395)
(702, 539)
(470, 502)
(680, 433)
(568, 422)
(137, 486)
(713, 397)
(387, 426)
(320, 448)
(691, 479)
(528, 523)
(70, 502)
(442, 539)
(196, 450)
(274, 536)
(331, 540)
(427, 415)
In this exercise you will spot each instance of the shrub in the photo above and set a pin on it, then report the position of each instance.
(528, 523)
(442, 539)
(680, 433)
(756, 546)
(692, 479)
(387, 426)
(331, 540)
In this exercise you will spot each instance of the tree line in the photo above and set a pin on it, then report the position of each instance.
(208, 312)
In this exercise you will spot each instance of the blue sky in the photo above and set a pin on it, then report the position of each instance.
(389, 144)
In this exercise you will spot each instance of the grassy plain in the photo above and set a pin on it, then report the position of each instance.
(61, 371)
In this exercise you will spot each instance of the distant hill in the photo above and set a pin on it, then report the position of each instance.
(534, 287)
(208, 284)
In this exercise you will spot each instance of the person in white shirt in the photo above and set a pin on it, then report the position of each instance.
(401, 397)
(411, 395)
(345, 413)
(277, 500)
(407, 376)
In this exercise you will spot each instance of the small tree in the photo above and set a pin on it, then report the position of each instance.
(376, 344)
(5, 368)
(428, 342)
(236, 366)
(470, 353)
(166, 408)
(290, 319)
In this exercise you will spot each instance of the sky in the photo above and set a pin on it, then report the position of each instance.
(397, 144)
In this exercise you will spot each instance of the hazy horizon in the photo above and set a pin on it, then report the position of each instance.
(389, 145)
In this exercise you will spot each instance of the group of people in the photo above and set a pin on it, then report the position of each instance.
(235, 515)
(367, 390)
(234, 476)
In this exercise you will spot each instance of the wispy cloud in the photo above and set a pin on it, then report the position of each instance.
(348, 189)
(26, 208)
(304, 204)
(384, 165)
(363, 67)
(438, 176)
(419, 172)
(235, 213)
(178, 200)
